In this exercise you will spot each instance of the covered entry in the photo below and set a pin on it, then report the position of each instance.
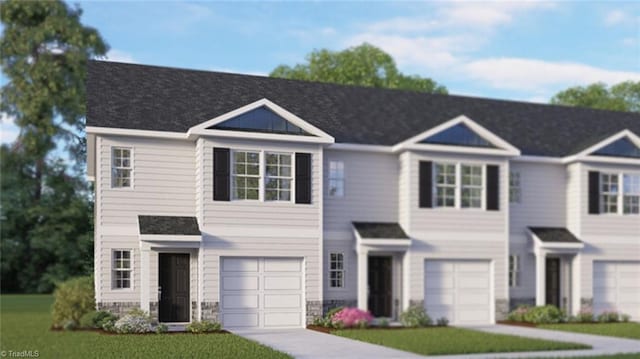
(173, 287)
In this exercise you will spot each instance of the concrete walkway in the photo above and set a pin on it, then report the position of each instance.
(309, 344)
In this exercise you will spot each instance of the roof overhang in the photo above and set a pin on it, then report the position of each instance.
(557, 247)
(169, 230)
(503, 148)
(380, 244)
(318, 136)
(587, 155)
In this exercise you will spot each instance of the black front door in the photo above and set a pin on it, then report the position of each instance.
(173, 269)
(553, 281)
(380, 292)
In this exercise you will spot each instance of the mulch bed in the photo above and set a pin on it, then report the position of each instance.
(104, 332)
(326, 330)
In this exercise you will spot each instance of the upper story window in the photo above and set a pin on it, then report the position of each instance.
(122, 269)
(336, 270)
(514, 271)
(609, 193)
(336, 179)
(245, 170)
(121, 167)
(631, 194)
(278, 177)
(445, 185)
(515, 191)
(472, 186)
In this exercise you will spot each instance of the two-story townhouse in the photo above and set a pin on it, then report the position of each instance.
(263, 202)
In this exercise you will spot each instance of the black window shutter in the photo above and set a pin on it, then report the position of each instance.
(221, 167)
(303, 178)
(594, 192)
(493, 188)
(425, 191)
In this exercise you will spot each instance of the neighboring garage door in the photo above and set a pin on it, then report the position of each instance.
(616, 286)
(459, 290)
(262, 292)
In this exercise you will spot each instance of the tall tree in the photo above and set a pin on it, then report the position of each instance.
(364, 65)
(44, 51)
(624, 96)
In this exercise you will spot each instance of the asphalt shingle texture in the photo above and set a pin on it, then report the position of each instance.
(144, 97)
(169, 225)
(554, 235)
(375, 230)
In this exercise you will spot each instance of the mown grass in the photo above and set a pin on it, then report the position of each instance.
(441, 341)
(621, 330)
(25, 321)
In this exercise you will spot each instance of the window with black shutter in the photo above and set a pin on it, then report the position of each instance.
(425, 185)
(303, 178)
(221, 167)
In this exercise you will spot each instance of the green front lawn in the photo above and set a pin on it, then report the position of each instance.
(25, 322)
(436, 341)
(622, 330)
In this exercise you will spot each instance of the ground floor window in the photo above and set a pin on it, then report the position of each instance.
(122, 269)
(514, 271)
(336, 270)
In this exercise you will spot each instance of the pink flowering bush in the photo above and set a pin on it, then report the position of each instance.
(585, 315)
(351, 317)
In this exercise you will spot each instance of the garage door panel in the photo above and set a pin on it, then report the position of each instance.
(240, 301)
(473, 281)
(439, 266)
(282, 265)
(441, 281)
(240, 283)
(470, 267)
(282, 319)
(277, 283)
(240, 320)
(473, 299)
(443, 298)
(473, 316)
(616, 286)
(629, 269)
(282, 301)
(240, 265)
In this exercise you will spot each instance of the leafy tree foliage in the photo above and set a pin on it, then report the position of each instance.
(47, 215)
(364, 65)
(624, 96)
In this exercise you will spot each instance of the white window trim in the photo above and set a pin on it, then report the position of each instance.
(623, 194)
(458, 186)
(260, 175)
(514, 272)
(619, 196)
(113, 269)
(291, 178)
(515, 188)
(342, 179)
(343, 270)
(262, 170)
(112, 167)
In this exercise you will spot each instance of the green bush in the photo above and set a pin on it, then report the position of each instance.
(333, 311)
(625, 318)
(322, 322)
(442, 322)
(415, 317)
(547, 314)
(73, 299)
(609, 317)
(135, 322)
(517, 315)
(383, 322)
(96, 319)
(161, 328)
(585, 315)
(204, 326)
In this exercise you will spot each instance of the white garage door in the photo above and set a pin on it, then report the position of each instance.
(458, 290)
(261, 292)
(616, 286)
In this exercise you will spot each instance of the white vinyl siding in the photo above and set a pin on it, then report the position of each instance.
(336, 179)
(336, 270)
(121, 167)
(122, 267)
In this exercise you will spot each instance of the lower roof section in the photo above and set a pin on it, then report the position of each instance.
(168, 225)
(380, 230)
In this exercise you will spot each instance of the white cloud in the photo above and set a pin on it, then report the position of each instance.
(120, 56)
(538, 76)
(9, 131)
(236, 71)
(615, 17)
(629, 41)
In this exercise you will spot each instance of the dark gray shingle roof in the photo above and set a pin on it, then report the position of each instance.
(169, 99)
(554, 235)
(380, 230)
(169, 225)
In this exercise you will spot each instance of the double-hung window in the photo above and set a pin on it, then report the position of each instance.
(514, 271)
(336, 179)
(121, 167)
(122, 269)
(445, 175)
(631, 194)
(245, 175)
(609, 192)
(472, 185)
(515, 191)
(278, 177)
(336, 270)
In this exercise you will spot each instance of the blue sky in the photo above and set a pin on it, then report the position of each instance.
(511, 50)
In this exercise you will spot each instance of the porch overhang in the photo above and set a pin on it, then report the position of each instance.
(380, 236)
(554, 240)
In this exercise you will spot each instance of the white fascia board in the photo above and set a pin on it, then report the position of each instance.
(137, 133)
(539, 244)
(605, 159)
(386, 242)
(538, 159)
(505, 147)
(580, 156)
(202, 129)
(169, 238)
(360, 147)
(457, 149)
(259, 136)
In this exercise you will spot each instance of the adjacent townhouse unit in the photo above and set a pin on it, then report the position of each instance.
(262, 202)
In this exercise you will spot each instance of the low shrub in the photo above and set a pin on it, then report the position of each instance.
(384, 323)
(135, 322)
(547, 314)
(333, 311)
(204, 326)
(350, 317)
(415, 317)
(161, 328)
(517, 315)
(585, 315)
(442, 322)
(625, 318)
(73, 299)
(609, 317)
(322, 322)
(96, 319)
